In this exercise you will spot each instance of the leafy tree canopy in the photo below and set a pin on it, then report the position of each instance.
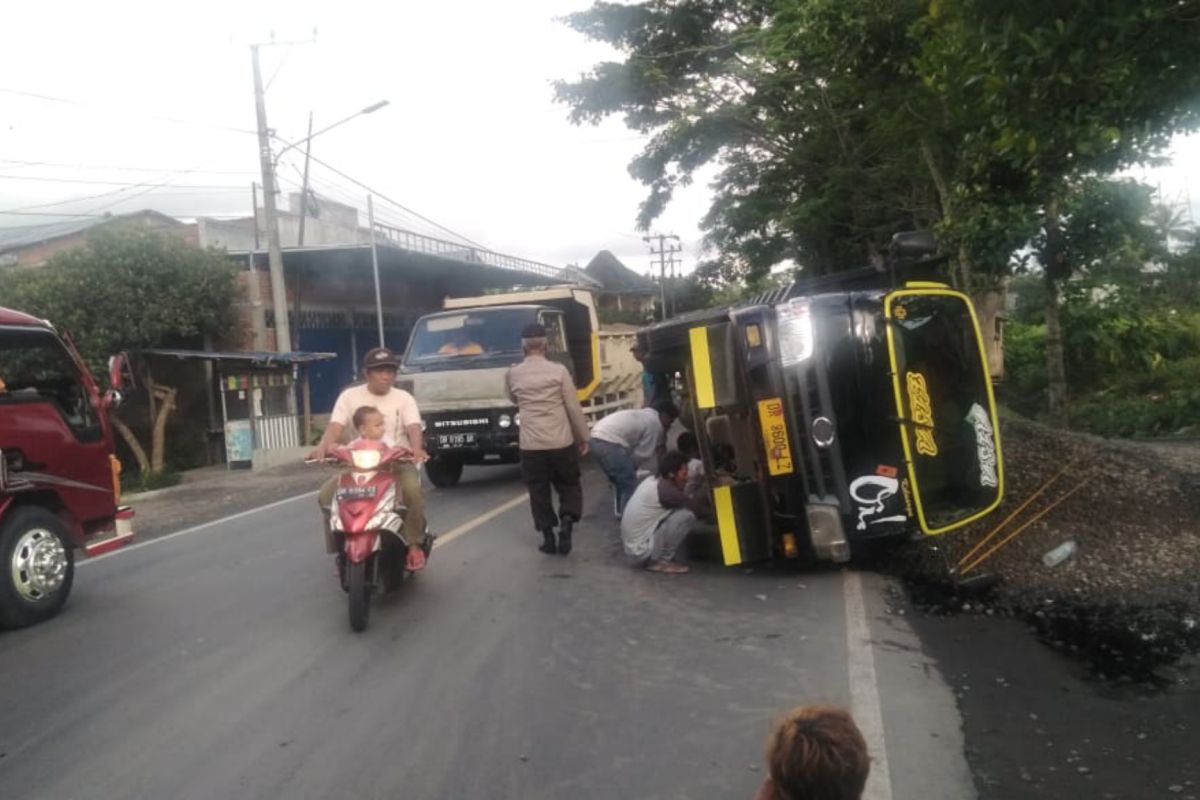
(128, 289)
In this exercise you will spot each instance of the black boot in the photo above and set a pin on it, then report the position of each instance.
(564, 535)
(548, 545)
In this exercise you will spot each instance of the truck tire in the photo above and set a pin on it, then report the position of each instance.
(444, 471)
(37, 567)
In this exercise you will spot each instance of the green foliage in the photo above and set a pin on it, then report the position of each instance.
(1134, 372)
(1163, 401)
(127, 290)
(1024, 387)
(838, 122)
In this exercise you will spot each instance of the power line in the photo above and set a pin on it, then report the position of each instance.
(396, 203)
(115, 168)
(125, 112)
(88, 181)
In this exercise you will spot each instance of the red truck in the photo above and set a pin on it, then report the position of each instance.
(59, 488)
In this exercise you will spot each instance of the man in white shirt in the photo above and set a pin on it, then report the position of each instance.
(658, 517)
(628, 441)
(402, 425)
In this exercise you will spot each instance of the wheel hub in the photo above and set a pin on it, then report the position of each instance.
(39, 564)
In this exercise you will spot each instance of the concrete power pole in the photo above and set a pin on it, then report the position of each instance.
(663, 252)
(283, 331)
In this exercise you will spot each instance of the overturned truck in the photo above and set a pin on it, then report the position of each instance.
(840, 411)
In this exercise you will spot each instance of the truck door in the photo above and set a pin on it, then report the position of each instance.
(727, 427)
(51, 430)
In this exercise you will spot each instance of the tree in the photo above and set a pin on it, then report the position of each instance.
(803, 105)
(1053, 92)
(127, 290)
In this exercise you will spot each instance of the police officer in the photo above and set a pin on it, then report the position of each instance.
(554, 435)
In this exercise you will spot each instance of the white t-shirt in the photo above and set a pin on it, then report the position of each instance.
(399, 409)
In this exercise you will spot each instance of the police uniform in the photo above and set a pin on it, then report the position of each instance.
(552, 429)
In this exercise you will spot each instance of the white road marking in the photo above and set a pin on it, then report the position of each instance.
(445, 538)
(864, 691)
(470, 525)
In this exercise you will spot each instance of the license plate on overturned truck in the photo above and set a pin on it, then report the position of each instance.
(356, 493)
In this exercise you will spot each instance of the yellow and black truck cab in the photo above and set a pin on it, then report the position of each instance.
(837, 412)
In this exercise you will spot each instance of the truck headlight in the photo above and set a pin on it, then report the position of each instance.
(517, 418)
(795, 331)
(505, 421)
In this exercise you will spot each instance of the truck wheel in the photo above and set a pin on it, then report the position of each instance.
(444, 471)
(37, 567)
(360, 596)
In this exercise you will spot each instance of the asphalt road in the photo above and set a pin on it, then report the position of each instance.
(220, 663)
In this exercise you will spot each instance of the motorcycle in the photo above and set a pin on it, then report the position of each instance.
(369, 518)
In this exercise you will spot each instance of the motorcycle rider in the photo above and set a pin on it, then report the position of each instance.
(401, 425)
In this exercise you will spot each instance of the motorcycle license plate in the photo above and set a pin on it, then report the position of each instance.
(356, 493)
(455, 439)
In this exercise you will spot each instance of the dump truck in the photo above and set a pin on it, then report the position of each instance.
(59, 484)
(456, 360)
(840, 411)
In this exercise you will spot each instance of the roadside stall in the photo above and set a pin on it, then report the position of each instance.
(264, 399)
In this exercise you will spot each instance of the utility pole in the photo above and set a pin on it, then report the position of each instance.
(375, 267)
(283, 331)
(304, 186)
(668, 245)
(256, 311)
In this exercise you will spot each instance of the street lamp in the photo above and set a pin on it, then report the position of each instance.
(371, 109)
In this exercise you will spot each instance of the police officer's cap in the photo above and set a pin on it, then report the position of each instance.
(534, 331)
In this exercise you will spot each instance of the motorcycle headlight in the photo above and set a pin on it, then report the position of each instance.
(366, 459)
(505, 421)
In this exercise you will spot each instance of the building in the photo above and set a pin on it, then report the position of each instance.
(34, 245)
(624, 295)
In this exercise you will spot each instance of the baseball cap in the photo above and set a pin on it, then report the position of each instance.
(533, 331)
(380, 357)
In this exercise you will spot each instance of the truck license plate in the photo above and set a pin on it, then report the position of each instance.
(356, 493)
(455, 439)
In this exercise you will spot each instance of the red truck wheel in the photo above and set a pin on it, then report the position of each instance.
(37, 567)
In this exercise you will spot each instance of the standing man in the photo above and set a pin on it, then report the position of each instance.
(658, 517)
(630, 440)
(401, 424)
(656, 386)
(554, 434)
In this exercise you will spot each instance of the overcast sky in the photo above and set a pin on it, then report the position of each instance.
(472, 138)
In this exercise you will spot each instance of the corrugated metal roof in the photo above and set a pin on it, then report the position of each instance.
(19, 236)
(255, 358)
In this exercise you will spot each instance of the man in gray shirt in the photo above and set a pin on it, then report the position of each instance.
(554, 434)
(630, 440)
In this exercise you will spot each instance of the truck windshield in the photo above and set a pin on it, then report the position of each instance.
(946, 410)
(35, 366)
(447, 337)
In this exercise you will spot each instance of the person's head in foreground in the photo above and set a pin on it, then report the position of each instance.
(816, 753)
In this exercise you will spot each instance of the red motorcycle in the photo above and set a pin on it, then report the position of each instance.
(368, 515)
